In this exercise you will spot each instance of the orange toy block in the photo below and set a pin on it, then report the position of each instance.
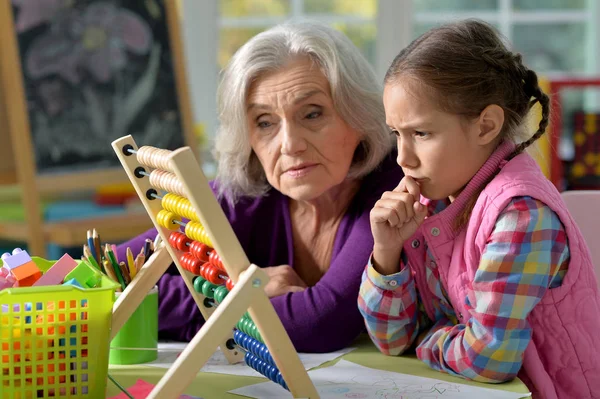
(26, 274)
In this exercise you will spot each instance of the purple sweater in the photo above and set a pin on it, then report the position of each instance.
(322, 318)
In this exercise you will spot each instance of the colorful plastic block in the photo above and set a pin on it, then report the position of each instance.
(85, 275)
(4, 283)
(73, 282)
(16, 260)
(26, 274)
(56, 274)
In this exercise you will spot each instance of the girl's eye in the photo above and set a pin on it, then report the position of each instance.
(313, 115)
(395, 133)
(420, 134)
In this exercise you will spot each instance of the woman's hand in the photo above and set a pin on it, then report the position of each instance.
(282, 279)
(394, 219)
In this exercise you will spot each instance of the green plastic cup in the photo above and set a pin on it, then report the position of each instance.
(137, 341)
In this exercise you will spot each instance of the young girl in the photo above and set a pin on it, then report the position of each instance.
(476, 260)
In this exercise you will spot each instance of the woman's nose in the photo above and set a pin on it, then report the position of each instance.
(292, 140)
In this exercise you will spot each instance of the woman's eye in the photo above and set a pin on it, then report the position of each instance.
(420, 134)
(313, 115)
(263, 124)
(395, 133)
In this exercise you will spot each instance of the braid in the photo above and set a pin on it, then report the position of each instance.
(532, 89)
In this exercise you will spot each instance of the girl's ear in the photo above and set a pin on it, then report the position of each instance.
(490, 123)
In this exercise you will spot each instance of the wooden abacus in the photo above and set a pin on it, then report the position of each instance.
(189, 195)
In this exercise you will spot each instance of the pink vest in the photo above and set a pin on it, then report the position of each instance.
(563, 358)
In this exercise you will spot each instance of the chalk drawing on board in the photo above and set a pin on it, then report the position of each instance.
(95, 71)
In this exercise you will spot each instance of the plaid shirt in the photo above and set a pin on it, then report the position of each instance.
(526, 255)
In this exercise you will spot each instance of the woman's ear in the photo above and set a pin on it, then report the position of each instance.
(490, 123)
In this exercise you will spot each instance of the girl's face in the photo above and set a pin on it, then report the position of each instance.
(441, 151)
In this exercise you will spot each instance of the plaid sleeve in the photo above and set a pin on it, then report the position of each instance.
(524, 253)
(389, 307)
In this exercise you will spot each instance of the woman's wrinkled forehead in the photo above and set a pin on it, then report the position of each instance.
(296, 81)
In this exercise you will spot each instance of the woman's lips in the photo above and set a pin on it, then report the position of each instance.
(300, 171)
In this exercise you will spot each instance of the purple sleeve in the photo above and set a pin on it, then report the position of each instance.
(325, 317)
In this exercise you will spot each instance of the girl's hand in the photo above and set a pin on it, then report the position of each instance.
(394, 219)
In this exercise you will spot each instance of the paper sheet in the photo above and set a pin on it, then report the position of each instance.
(168, 352)
(350, 380)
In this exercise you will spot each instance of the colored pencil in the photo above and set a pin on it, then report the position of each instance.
(139, 262)
(131, 263)
(97, 246)
(110, 271)
(88, 254)
(125, 273)
(157, 241)
(115, 265)
(147, 248)
(90, 242)
(113, 247)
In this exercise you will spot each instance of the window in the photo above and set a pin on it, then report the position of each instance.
(242, 19)
(554, 37)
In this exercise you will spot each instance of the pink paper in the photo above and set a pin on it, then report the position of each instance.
(142, 389)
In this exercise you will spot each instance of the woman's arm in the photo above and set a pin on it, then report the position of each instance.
(526, 254)
(389, 305)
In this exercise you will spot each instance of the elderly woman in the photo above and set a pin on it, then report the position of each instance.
(303, 155)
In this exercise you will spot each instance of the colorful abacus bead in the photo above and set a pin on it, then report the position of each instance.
(229, 284)
(208, 289)
(200, 250)
(179, 205)
(215, 259)
(212, 274)
(252, 345)
(247, 326)
(168, 219)
(196, 232)
(198, 282)
(179, 241)
(190, 263)
(271, 372)
(220, 293)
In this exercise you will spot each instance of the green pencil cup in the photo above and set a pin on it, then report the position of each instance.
(137, 341)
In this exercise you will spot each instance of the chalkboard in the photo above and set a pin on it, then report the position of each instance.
(94, 71)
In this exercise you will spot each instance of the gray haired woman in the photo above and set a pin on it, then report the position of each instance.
(303, 155)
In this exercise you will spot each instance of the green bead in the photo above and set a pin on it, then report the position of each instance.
(220, 293)
(198, 281)
(208, 289)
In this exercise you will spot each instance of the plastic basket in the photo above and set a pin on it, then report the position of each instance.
(54, 340)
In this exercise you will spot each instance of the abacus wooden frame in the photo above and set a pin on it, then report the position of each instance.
(247, 294)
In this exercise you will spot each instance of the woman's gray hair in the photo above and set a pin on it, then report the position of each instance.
(355, 90)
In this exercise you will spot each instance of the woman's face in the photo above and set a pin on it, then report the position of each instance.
(302, 143)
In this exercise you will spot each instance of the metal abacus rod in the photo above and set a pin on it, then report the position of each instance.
(180, 173)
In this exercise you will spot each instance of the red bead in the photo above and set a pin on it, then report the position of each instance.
(179, 241)
(200, 250)
(211, 273)
(229, 284)
(190, 263)
(215, 259)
